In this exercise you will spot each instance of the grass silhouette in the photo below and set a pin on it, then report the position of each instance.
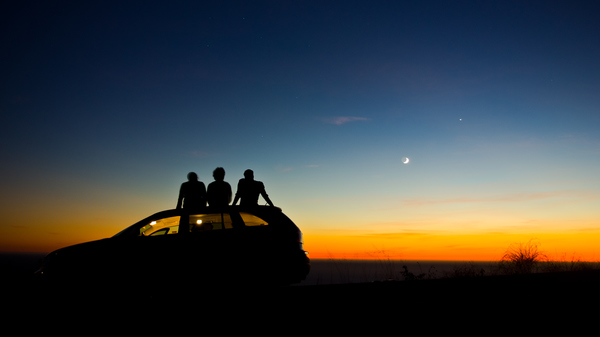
(522, 258)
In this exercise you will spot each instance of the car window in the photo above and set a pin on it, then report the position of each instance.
(200, 223)
(163, 231)
(161, 226)
(251, 220)
(209, 222)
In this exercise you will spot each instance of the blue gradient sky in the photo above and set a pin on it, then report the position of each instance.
(106, 107)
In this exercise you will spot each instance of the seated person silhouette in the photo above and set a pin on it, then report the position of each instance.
(192, 193)
(219, 191)
(249, 189)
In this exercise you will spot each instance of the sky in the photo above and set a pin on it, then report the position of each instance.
(106, 106)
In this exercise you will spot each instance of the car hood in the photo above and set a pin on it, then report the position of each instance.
(79, 248)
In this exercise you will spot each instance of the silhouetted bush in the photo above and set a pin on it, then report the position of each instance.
(522, 258)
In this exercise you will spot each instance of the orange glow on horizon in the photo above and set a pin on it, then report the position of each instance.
(330, 243)
(475, 247)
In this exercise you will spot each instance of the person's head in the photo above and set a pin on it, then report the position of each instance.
(192, 176)
(249, 174)
(219, 173)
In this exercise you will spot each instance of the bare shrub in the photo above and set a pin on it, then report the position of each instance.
(522, 258)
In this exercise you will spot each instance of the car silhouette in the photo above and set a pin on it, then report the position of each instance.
(235, 244)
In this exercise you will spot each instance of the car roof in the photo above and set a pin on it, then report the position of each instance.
(256, 210)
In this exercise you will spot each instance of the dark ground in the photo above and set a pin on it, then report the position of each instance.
(484, 291)
(513, 297)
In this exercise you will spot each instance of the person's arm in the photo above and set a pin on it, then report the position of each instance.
(228, 193)
(237, 197)
(266, 197)
(204, 195)
(263, 192)
(209, 194)
(180, 199)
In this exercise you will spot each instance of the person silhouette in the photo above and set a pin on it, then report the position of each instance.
(218, 192)
(249, 189)
(192, 193)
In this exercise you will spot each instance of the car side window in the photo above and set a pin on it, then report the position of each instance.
(251, 220)
(163, 231)
(163, 226)
(209, 222)
(201, 223)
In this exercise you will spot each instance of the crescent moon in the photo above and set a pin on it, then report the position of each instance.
(405, 160)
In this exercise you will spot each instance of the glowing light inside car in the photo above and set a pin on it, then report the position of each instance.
(198, 222)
